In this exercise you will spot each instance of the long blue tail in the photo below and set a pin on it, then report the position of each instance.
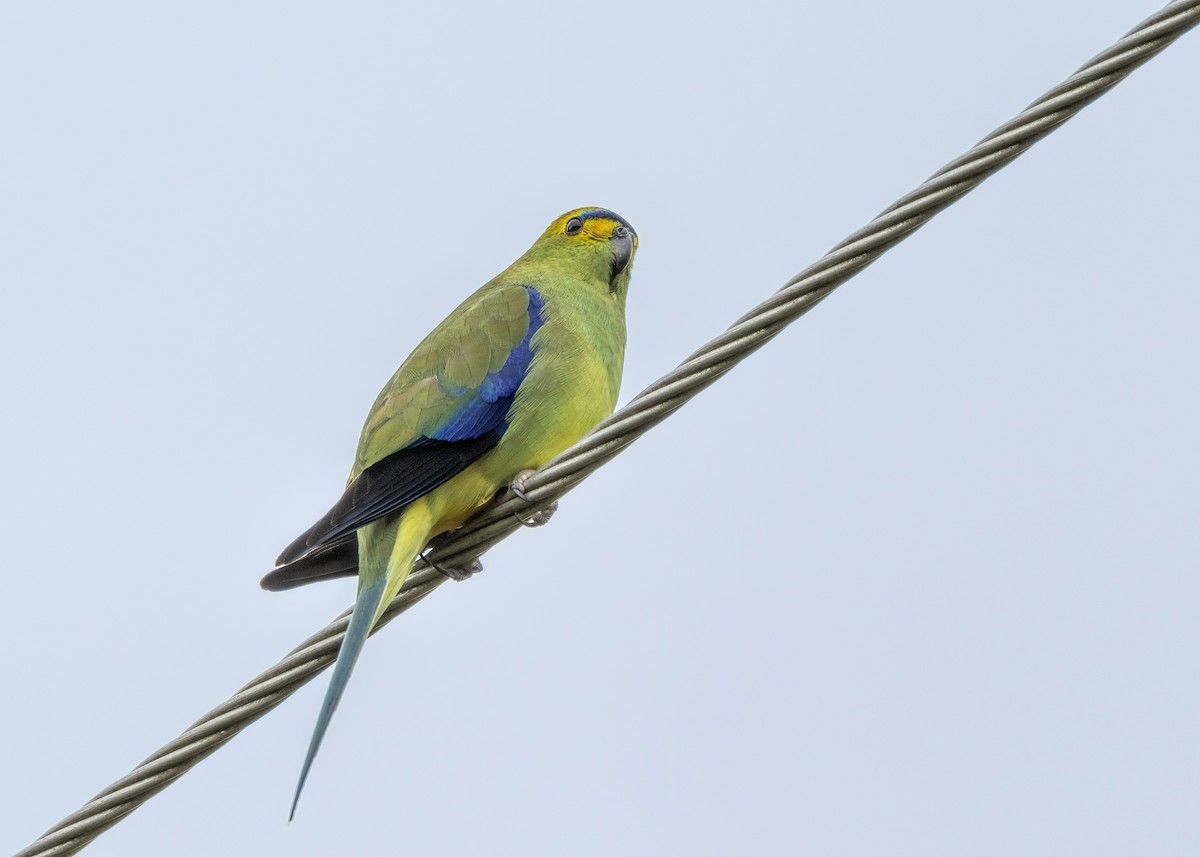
(365, 606)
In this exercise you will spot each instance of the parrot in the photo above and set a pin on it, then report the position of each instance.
(522, 369)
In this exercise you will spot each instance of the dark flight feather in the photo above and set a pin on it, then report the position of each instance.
(388, 486)
(336, 559)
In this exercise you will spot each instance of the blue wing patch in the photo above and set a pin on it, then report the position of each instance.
(487, 410)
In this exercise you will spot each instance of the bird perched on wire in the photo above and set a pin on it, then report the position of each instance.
(521, 370)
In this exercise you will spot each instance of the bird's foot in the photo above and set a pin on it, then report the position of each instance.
(539, 518)
(457, 574)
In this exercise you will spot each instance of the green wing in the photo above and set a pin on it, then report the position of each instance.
(444, 408)
(477, 356)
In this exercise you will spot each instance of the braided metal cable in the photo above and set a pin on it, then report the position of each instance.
(649, 408)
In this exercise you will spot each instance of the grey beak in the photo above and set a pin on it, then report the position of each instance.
(622, 250)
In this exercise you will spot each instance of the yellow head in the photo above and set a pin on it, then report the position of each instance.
(593, 243)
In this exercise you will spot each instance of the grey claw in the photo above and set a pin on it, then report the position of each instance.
(536, 519)
(461, 573)
(517, 486)
(539, 518)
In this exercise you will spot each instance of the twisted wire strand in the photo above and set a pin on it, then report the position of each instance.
(647, 409)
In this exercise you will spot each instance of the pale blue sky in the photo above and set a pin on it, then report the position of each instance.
(919, 578)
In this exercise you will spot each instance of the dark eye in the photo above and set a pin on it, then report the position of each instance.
(573, 226)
